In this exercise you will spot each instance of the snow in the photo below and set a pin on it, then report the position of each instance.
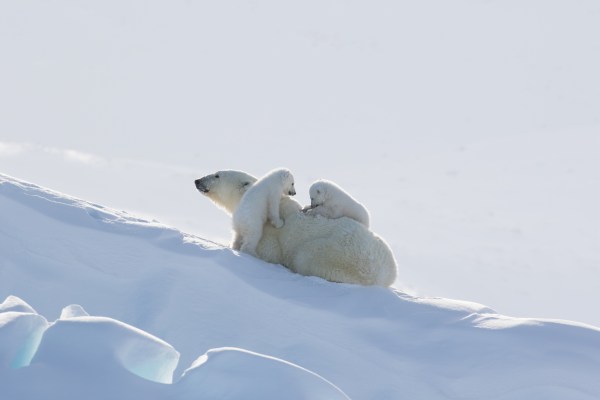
(13, 303)
(103, 343)
(20, 335)
(468, 128)
(246, 374)
(140, 310)
(21, 331)
(73, 311)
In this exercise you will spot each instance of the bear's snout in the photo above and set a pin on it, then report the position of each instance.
(292, 192)
(200, 185)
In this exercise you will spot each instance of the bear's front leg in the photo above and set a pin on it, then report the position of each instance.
(276, 221)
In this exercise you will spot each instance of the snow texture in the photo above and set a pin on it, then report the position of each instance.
(101, 343)
(20, 335)
(150, 312)
(246, 374)
(470, 129)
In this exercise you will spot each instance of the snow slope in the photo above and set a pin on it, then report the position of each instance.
(101, 304)
(483, 115)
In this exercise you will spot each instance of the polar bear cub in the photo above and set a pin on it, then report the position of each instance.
(259, 203)
(331, 201)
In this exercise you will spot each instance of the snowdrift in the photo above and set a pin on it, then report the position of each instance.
(100, 304)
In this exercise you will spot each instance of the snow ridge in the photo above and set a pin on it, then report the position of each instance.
(143, 301)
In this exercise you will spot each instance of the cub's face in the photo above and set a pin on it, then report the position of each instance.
(289, 188)
(318, 194)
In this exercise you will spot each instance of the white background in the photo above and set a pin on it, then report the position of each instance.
(470, 129)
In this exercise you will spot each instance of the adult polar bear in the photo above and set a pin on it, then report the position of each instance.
(339, 250)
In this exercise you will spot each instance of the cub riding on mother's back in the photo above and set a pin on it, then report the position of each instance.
(331, 201)
(259, 204)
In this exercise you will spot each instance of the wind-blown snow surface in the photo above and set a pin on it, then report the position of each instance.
(469, 128)
(141, 310)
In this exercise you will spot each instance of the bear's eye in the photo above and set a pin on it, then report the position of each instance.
(318, 192)
(217, 176)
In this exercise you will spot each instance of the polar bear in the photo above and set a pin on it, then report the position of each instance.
(339, 250)
(331, 201)
(259, 204)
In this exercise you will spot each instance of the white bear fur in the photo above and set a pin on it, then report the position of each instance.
(259, 204)
(339, 250)
(331, 201)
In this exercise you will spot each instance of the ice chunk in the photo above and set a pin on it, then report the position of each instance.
(13, 303)
(20, 336)
(72, 311)
(102, 344)
(231, 373)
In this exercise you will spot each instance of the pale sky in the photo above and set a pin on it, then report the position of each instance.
(469, 129)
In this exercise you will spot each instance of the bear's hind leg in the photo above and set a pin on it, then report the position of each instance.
(250, 242)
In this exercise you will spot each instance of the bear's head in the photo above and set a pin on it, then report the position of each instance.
(288, 181)
(318, 193)
(225, 188)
